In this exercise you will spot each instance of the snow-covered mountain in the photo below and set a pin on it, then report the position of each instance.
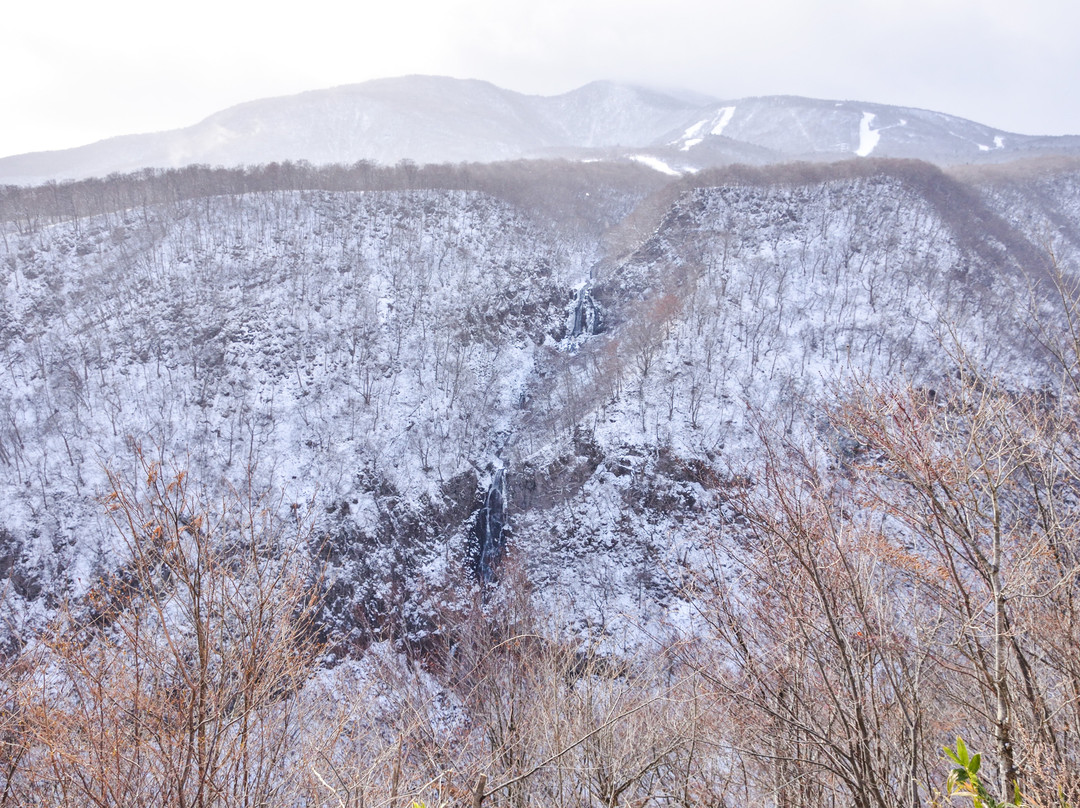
(806, 128)
(441, 120)
(398, 361)
(401, 465)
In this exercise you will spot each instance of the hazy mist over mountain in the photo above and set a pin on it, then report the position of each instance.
(429, 119)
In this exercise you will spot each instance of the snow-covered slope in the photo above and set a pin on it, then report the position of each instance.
(426, 119)
(748, 305)
(405, 364)
(804, 127)
(1040, 198)
(320, 342)
(430, 119)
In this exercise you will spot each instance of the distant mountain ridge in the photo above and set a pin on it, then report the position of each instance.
(431, 119)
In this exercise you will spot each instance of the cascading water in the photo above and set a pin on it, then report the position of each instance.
(491, 529)
(586, 317)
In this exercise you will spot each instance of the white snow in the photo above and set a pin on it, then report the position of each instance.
(414, 286)
(655, 163)
(691, 137)
(723, 119)
(868, 138)
(713, 126)
(999, 142)
(693, 131)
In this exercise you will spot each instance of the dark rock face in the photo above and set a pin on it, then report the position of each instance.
(491, 531)
(586, 320)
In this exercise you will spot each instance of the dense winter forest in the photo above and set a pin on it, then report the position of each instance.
(541, 484)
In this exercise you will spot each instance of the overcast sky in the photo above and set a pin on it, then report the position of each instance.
(78, 71)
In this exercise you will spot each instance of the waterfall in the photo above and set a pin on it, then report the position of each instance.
(491, 529)
(585, 320)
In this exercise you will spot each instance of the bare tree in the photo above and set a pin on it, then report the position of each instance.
(175, 683)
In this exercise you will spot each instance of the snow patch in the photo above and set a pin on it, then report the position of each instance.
(691, 137)
(722, 120)
(868, 138)
(713, 126)
(693, 131)
(655, 163)
(999, 142)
